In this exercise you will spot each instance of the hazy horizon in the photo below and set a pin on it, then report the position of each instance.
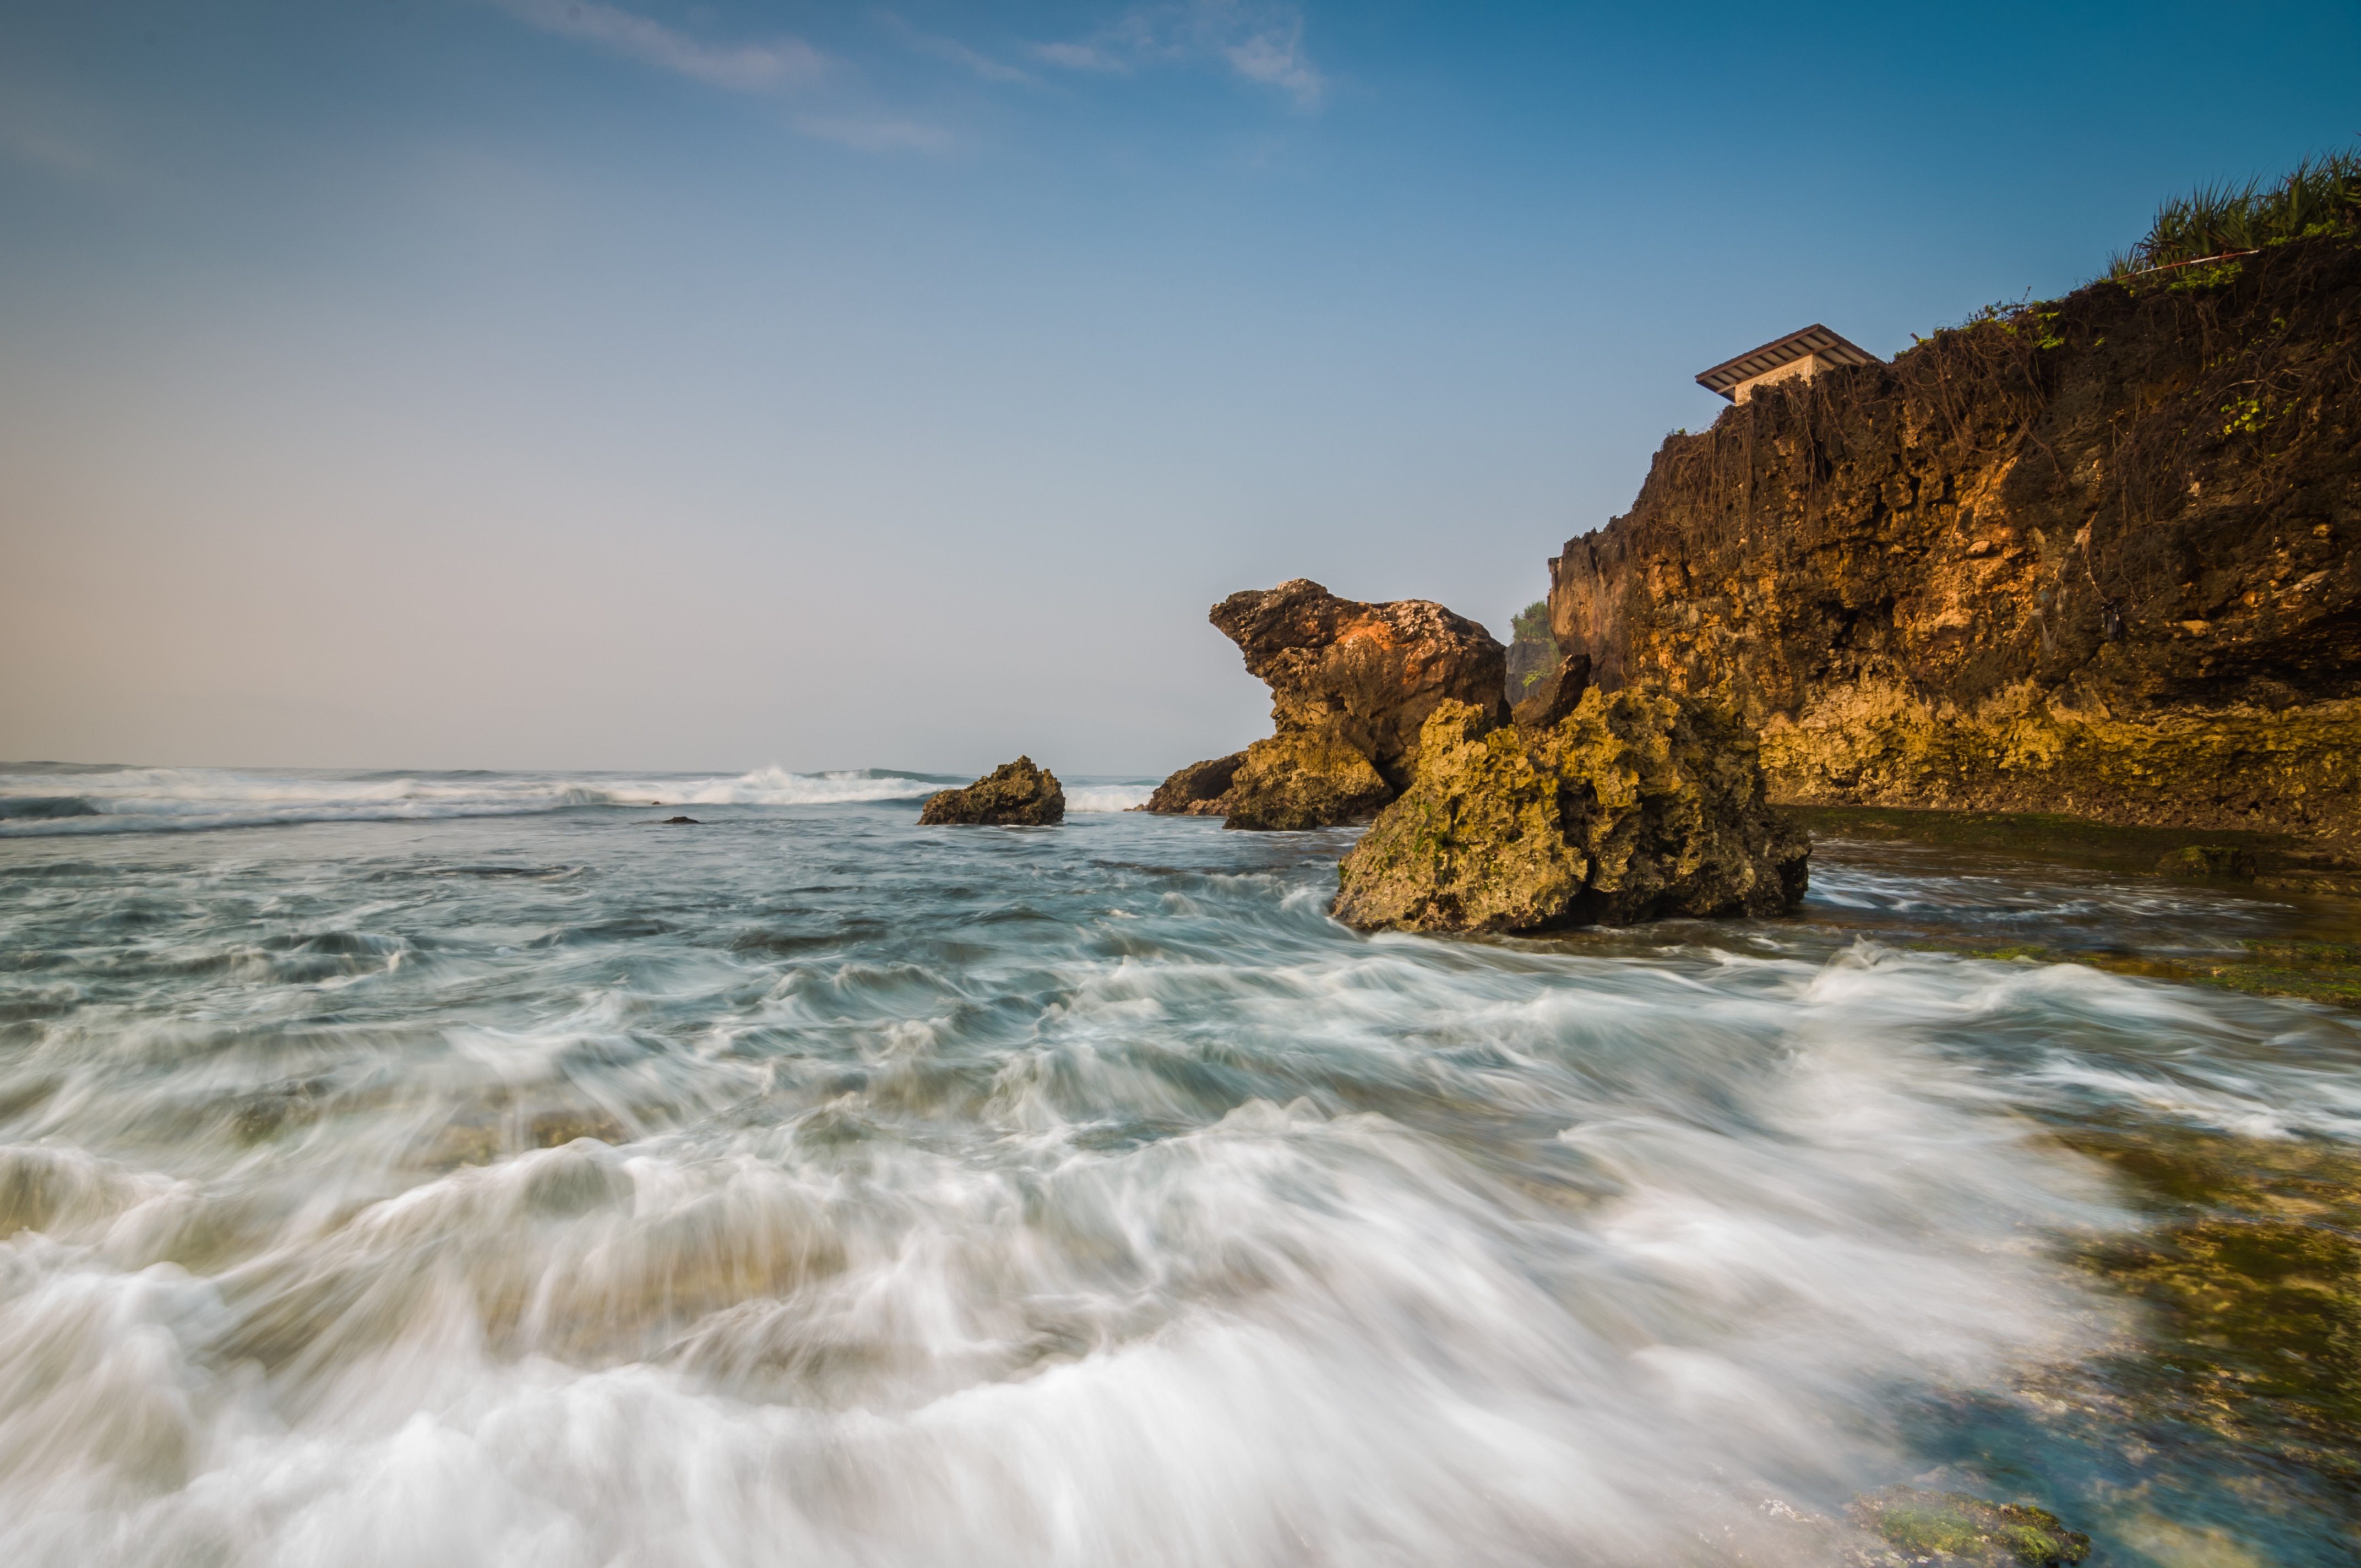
(533, 385)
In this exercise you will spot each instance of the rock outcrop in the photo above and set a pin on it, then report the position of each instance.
(1197, 790)
(1013, 794)
(2094, 556)
(1351, 685)
(1638, 805)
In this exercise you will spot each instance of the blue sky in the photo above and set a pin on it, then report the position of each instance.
(522, 383)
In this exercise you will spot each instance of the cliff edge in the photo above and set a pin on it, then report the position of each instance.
(2093, 555)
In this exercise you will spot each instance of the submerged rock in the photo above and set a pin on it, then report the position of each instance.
(1638, 805)
(1953, 1529)
(1351, 683)
(2209, 863)
(1197, 789)
(1013, 794)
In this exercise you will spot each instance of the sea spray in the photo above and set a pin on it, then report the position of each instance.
(550, 1188)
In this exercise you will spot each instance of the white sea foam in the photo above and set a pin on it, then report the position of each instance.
(929, 1213)
(131, 800)
(1107, 797)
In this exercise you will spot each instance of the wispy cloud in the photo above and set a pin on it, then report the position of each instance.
(950, 51)
(1258, 40)
(866, 135)
(742, 68)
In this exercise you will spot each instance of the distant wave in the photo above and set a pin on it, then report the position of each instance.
(44, 800)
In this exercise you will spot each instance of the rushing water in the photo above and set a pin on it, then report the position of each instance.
(473, 1170)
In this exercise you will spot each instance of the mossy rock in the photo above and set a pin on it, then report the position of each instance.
(1636, 805)
(1952, 1528)
(1300, 779)
(1013, 794)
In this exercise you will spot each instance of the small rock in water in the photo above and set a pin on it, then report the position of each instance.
(1201, 789)
(1013, 794)
(691, 821)
(1953, 1529)
(2209, 863)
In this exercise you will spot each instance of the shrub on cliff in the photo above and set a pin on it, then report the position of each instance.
(2319, 195)
(1640, 805)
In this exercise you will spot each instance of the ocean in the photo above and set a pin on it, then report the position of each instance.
(473, 1169)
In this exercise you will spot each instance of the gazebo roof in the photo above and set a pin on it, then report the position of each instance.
(1725, 376)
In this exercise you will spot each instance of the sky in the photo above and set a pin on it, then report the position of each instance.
(639, 385)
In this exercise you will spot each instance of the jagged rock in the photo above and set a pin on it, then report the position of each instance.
(2095, 557)
(1637, 806)
(1953, 1529)
(1197, 789)
(1013, 794)
(1556, 695)
(1351, 683)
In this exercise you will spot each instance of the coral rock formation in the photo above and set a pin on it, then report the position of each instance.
(1634, 807)
(1013, 794)
(1351, 683)
(2093, 556)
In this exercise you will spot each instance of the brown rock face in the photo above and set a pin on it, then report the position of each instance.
(1013, 794)
(2097, 556)
(1196, 790)
(1351, 685)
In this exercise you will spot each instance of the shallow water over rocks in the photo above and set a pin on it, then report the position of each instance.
(808, 1186)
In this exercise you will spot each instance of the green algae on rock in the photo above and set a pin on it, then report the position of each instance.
(1013, 794)
(2253, 1273)
(1639, 805)
(1952, 1528)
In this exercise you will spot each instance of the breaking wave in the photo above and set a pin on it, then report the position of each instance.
(49, 800)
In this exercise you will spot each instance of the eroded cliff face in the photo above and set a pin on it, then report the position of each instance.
(2095, 556)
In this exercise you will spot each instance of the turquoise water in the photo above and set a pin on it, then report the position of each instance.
(388, 1183)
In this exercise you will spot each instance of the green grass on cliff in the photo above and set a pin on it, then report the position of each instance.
(2319, 195)
(1532, 624)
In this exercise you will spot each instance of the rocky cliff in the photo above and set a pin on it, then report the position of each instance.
(2094, 555)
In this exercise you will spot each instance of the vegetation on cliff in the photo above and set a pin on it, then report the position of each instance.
(2319, 196)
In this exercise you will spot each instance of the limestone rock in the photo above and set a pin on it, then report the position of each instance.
(1556, 695)
(1304, 778)
(1351, 683)
(1636, 805)
(1197, 790)
(1013, 794)
(2030, 565)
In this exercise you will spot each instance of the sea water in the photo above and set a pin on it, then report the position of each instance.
(475, 1168)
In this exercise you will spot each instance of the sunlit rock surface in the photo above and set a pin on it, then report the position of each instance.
(2096, 556)
(1637, 806)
